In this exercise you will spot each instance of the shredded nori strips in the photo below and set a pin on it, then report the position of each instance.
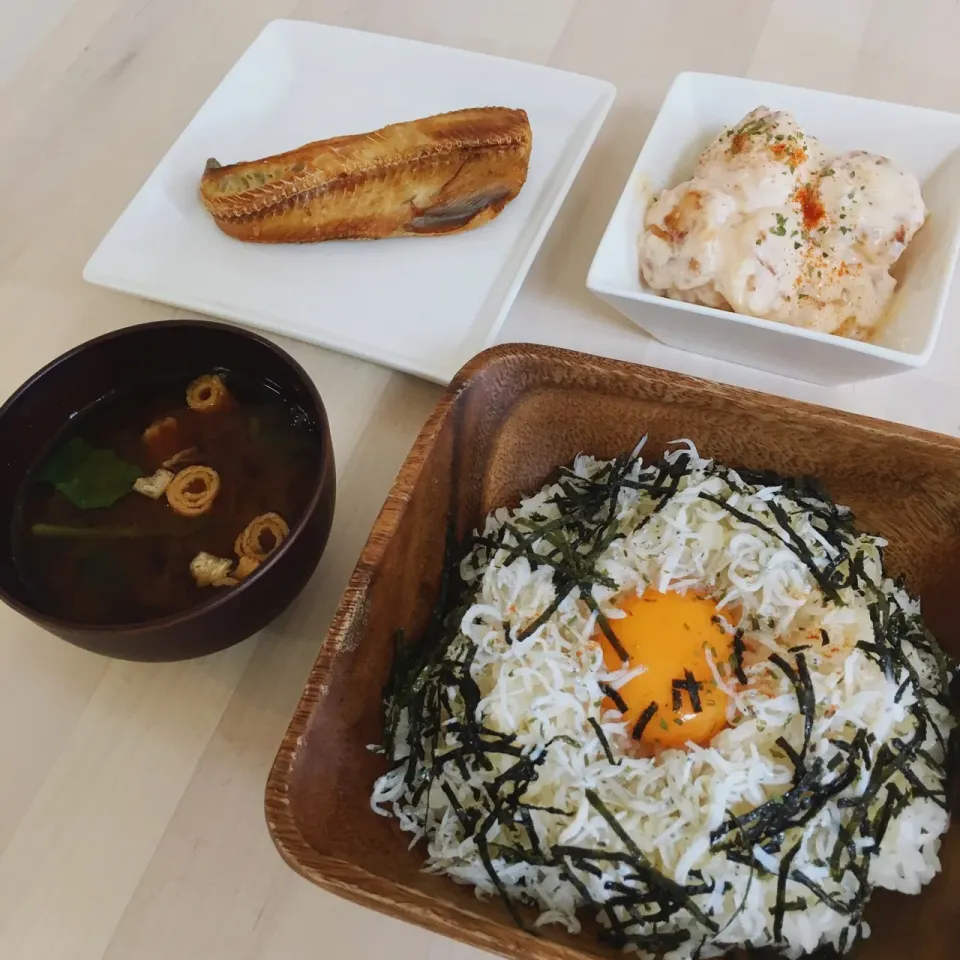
(806, 700)
(837, 905)
(779, 908)
(432, 695)
(484, 851)
(614, 695)
(738, 651)
(643, 720)
(793, 541)
(692, 687)
(672, 890)
(603, 742)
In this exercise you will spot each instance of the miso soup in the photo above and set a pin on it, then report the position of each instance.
(152, 502)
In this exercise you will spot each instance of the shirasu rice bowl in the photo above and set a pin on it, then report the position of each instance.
(517, 760)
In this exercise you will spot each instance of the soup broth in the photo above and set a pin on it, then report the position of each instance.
(142, 506)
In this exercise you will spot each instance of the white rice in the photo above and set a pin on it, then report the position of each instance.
(547, 686)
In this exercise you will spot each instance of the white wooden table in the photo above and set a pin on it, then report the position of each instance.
(131, 823)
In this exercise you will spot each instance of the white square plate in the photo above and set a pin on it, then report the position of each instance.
(697, 107)
(423, 305)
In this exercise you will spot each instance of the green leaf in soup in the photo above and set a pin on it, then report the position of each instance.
(64, 462)
(88, 477)
(100, 480)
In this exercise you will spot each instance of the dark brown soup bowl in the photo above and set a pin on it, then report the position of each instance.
(121, 361)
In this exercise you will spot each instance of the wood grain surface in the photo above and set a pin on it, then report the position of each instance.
(131, 801)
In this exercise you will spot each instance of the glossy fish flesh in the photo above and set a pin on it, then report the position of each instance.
(439, 175)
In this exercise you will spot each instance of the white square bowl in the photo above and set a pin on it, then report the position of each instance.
(697, 107)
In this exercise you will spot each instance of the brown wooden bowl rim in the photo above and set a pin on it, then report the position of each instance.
(141, 627)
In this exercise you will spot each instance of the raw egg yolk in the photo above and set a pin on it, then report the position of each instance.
(668, 634)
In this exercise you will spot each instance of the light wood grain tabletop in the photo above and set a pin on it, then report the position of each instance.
(131, 818)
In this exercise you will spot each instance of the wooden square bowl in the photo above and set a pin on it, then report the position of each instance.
(509, 418)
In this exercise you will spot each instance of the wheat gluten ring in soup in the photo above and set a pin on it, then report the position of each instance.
(261, 536)
(192, 491)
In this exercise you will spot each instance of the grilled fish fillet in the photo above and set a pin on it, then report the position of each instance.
(439, 175)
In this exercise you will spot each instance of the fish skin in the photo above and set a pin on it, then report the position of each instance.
(430, 177)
